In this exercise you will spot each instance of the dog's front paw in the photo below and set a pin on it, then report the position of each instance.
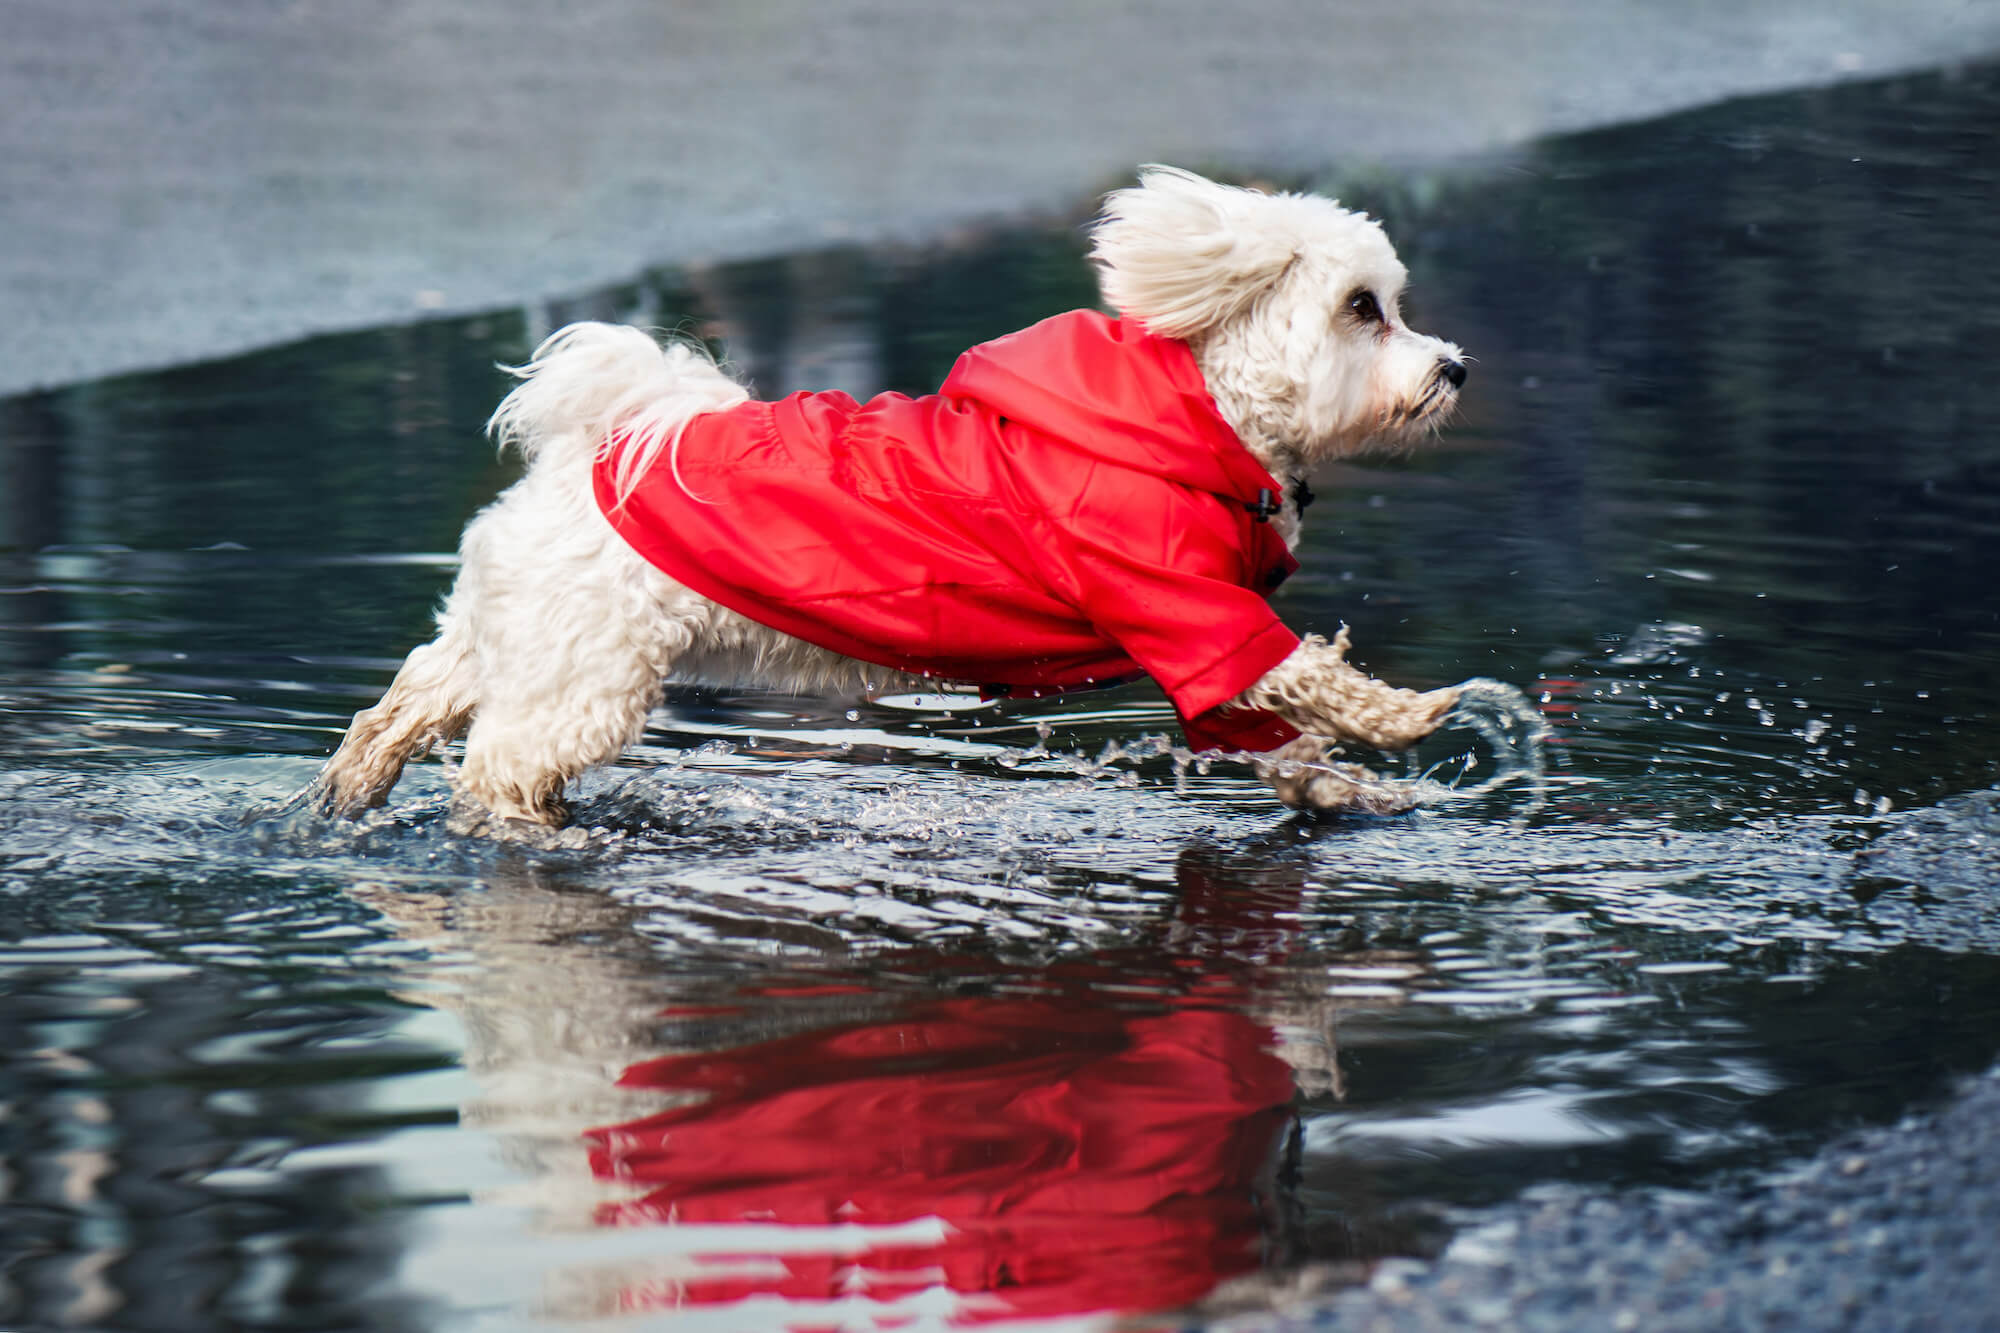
(1305, 777)
(1435, 707)
(1398, 719)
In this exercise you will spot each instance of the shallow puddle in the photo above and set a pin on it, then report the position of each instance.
(842, 1014)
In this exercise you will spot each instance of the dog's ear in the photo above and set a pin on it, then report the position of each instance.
(1182, 254)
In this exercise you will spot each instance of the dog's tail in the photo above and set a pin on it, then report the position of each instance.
(597, 389)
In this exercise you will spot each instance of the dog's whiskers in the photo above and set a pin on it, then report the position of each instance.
(1426, 412)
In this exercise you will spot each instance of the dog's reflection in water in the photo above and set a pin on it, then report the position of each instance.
(972, 1140)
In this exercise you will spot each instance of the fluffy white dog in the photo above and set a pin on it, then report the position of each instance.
(559, 632)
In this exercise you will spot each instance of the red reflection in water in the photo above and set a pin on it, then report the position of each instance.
(1082, 1159)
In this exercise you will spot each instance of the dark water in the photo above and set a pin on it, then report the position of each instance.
(851, 1014)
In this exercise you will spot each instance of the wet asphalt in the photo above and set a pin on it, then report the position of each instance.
(1889, 1229)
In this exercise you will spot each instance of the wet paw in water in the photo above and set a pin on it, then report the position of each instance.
(1501, 716)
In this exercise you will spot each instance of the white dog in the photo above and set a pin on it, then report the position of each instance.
(1080, 500)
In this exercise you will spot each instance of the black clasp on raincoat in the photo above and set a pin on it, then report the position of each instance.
(1268, 505)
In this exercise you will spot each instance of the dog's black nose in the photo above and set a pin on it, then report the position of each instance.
(1453, 371)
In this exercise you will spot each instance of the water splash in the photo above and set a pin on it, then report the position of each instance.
(1512, 727)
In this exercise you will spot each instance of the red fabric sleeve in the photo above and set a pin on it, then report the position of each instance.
(1245, 729)
(1192, 626)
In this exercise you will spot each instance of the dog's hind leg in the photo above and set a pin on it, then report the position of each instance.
(520, 754)
(529, 740)
(581, 639)
(556, 635)
(430, 702)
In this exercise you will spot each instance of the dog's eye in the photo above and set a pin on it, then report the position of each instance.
(1364, 307)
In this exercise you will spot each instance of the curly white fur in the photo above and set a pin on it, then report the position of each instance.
(556, 638)
(1316, 691)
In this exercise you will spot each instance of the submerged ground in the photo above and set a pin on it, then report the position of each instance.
(848, 1013)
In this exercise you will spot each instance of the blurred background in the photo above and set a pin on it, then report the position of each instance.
(181, 179)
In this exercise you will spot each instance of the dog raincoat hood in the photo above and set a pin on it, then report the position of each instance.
(1068, 510)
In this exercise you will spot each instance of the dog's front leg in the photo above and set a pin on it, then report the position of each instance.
(1316, 691)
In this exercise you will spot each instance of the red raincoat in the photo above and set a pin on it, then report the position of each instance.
(1068, 510)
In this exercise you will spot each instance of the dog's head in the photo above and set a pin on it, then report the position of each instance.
(1291, 304)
